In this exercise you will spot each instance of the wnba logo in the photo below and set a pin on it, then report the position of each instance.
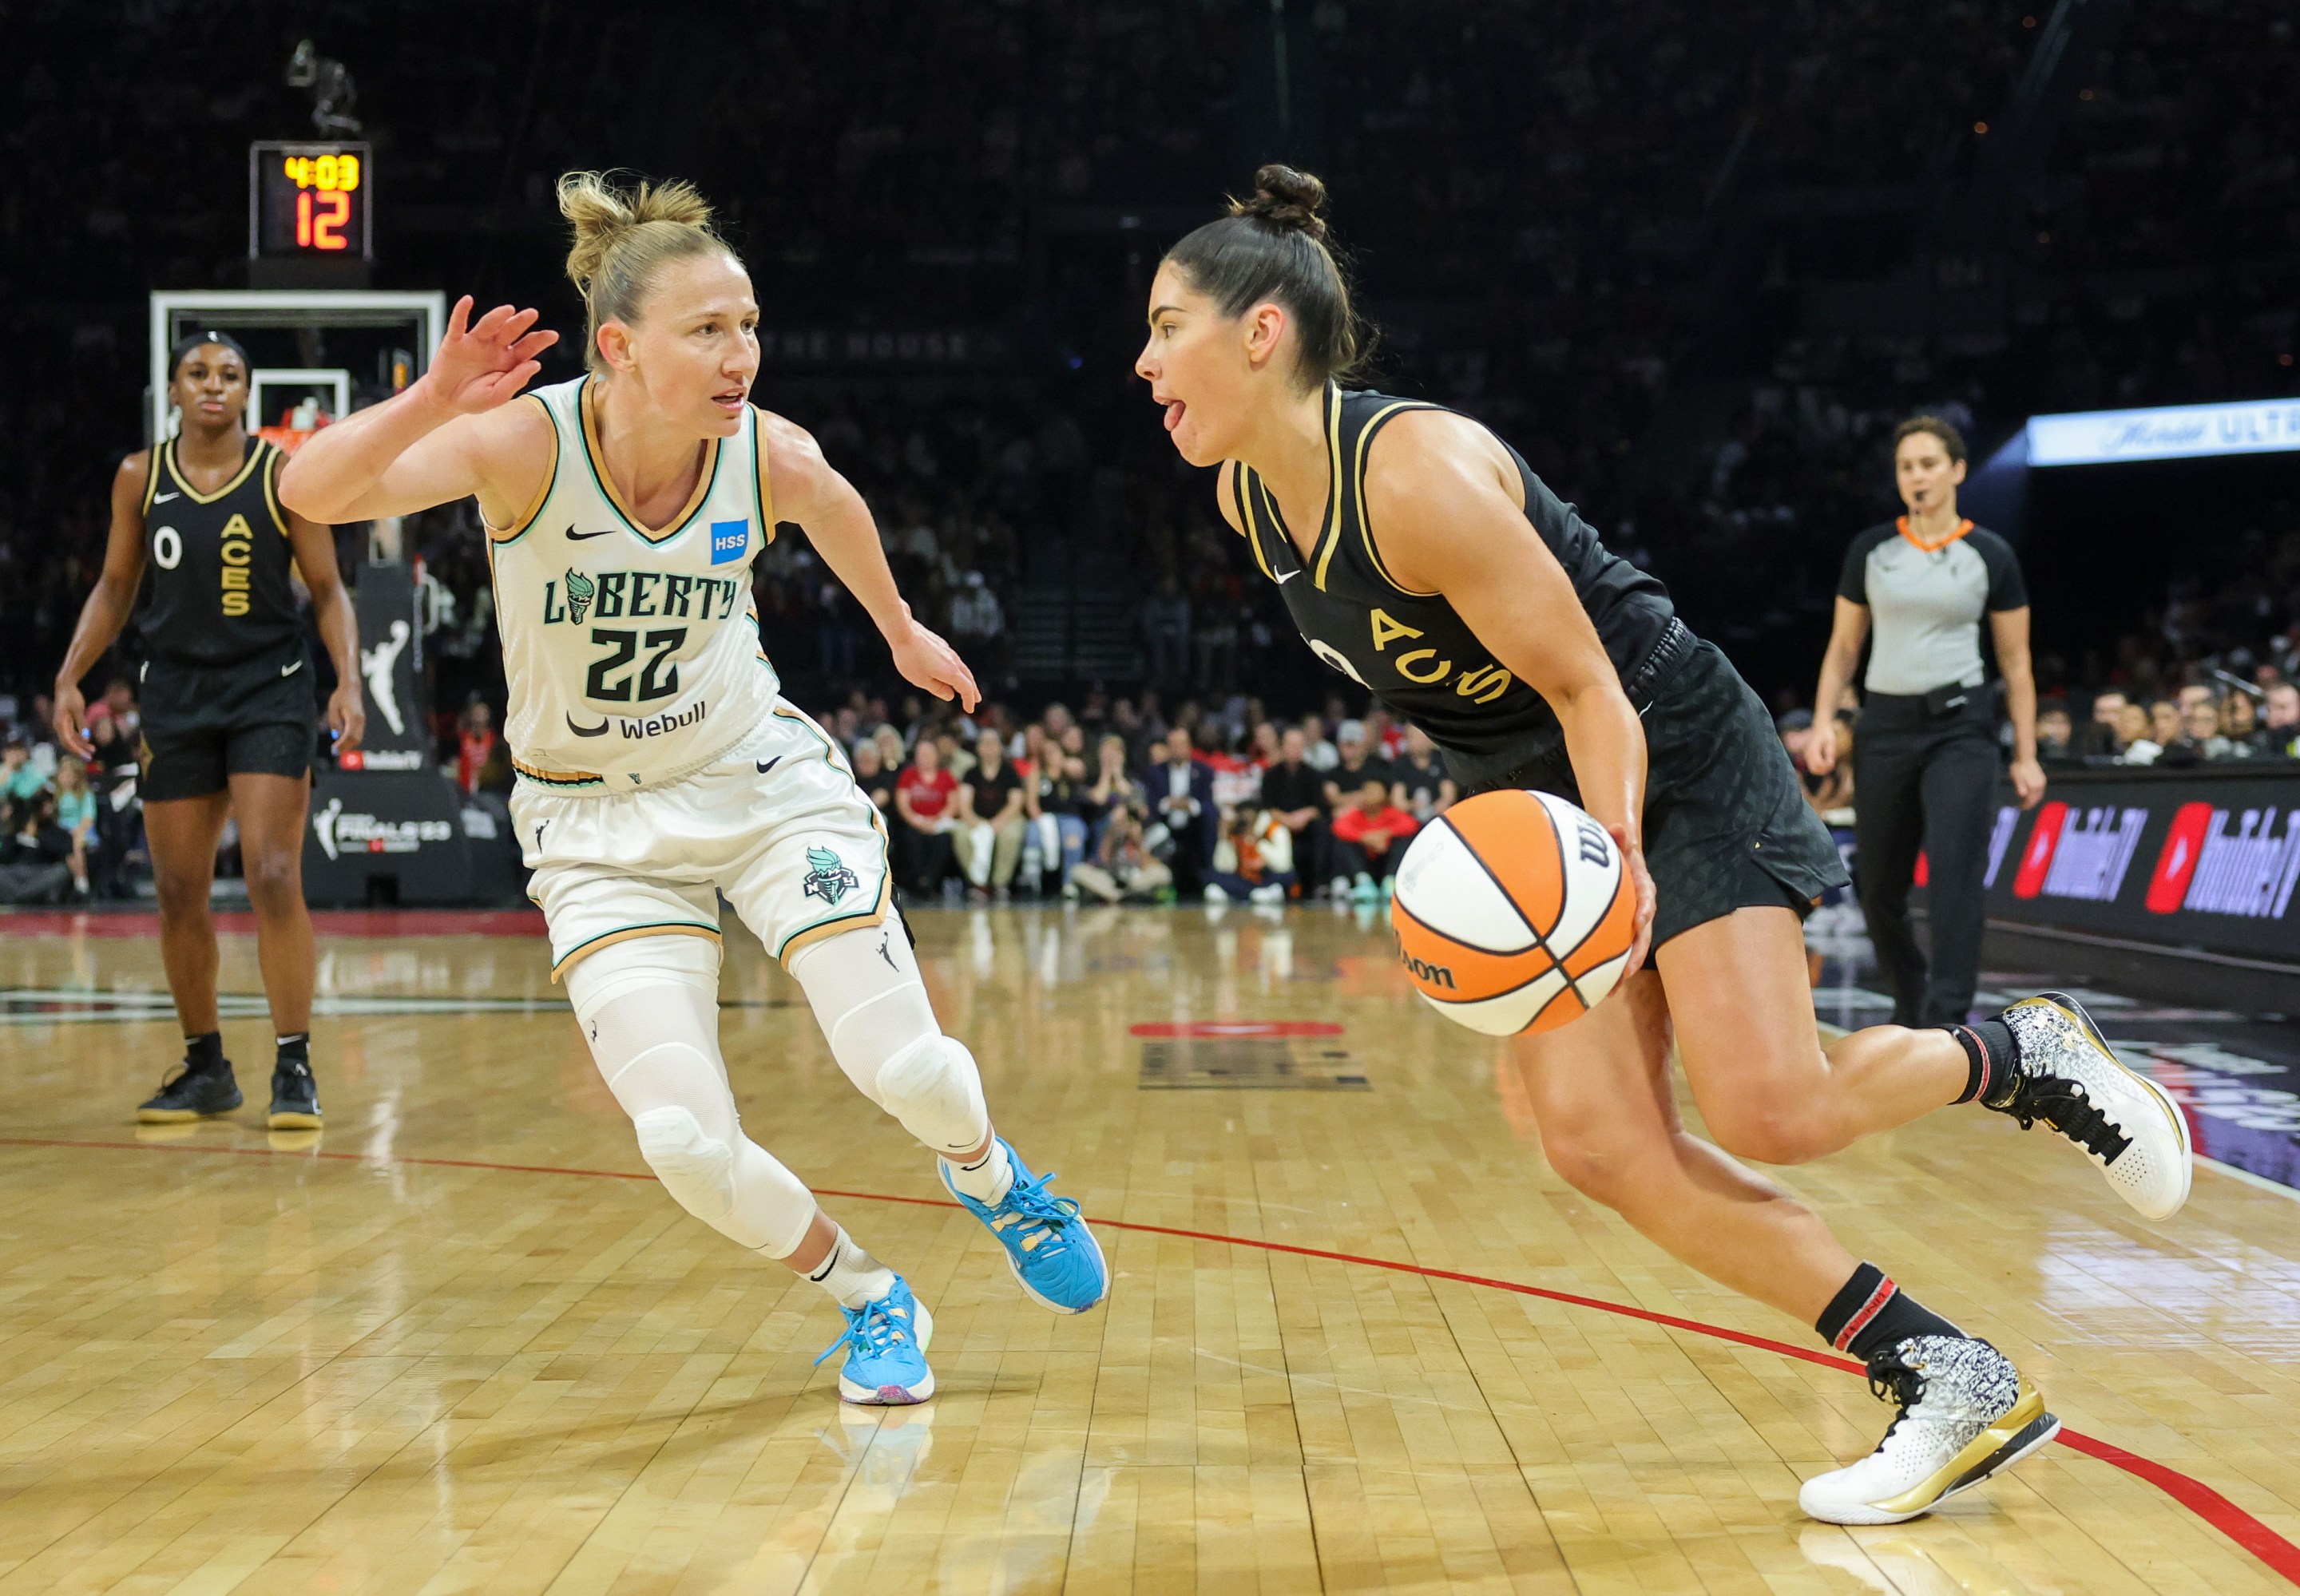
(1437, 975)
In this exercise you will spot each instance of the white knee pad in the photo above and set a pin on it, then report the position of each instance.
(696, 1169)
(867, 996)
(933, 1087)
(649, 1009)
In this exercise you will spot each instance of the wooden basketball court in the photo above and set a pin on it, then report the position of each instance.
(1360, 1338)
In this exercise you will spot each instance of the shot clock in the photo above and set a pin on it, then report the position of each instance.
(309, 201)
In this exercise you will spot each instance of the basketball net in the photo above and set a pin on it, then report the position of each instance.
(296, 424)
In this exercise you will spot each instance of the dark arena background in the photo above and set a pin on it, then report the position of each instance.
(1696, 262)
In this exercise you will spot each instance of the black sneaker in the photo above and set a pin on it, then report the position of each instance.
(295, 1097)
(192, 1094)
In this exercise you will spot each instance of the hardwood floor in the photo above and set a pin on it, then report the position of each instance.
(461, 1342)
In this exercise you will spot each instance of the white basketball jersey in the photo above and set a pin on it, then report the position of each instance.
(633, 654)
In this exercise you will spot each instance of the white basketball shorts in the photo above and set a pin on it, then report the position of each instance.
(776, 824)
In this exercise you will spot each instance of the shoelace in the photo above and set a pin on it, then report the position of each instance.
(2066, 1107)
(872, 1328)
(1894, 1381)
(1030, 1204)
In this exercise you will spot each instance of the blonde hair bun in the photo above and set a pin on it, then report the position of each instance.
(623, 238)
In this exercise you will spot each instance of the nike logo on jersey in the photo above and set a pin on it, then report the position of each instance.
(164, 498)
(770, 764)
(291, 669)
(599, 730)
(575, 537)
(1284, 577)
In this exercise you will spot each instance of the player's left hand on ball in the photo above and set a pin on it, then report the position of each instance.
(1633, 860)
(926, 661)
(347, 717)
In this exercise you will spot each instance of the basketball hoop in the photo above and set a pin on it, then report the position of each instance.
(296, 423)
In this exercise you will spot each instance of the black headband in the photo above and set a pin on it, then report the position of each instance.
(224, 340)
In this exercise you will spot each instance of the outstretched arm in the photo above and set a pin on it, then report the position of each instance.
(1451, 525)
(446, 438)
(108, 604)
(808, 491)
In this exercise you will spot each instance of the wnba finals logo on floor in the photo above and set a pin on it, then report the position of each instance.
(1513, 912)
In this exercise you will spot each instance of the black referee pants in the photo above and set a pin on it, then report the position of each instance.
(1925, 783)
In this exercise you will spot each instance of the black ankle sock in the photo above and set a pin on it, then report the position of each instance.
(295, 1048)
(204, 1053)
(1870, 1313)
(1989, 1058)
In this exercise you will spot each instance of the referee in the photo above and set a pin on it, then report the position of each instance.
(1925, 766)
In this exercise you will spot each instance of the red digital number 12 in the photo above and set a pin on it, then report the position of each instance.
(321, 231)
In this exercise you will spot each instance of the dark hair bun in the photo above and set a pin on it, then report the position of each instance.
(1286, 197)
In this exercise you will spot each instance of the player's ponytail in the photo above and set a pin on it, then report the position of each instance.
(624, 238)
(1275, 249)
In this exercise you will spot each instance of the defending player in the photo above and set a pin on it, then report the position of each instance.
(1422, 557)
(228, 708)
(658, 765)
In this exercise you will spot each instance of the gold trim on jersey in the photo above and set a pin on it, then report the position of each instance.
(254, 455)
(556, 778)
(517, 529)
(766, 489)
(151, 478)
(703, 478)
(1365, 528)
(1247, 526)
(1330, 533)
(271, 493)
(664, 929)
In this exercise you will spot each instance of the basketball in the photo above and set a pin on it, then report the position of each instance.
(1513, 913)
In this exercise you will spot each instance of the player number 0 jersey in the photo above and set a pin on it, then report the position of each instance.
(633, 653)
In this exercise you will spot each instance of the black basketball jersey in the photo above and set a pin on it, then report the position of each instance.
(1410, 649)
(220, 561)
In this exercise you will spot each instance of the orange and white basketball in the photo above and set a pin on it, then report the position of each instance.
(1513, 913)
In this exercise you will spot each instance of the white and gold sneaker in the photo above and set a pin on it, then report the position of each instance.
(1965, 1415)
(2067, 1076)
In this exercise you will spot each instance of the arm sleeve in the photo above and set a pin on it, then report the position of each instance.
(1853, 582)
(2006, 589)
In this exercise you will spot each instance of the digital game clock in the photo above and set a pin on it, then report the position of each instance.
(309, 201)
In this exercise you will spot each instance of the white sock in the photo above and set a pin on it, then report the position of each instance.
(851, 1276)
(985, 1181)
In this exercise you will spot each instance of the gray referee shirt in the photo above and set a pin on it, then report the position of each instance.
(1925, 604)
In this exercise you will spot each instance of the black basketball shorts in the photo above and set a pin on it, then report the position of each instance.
(1726, 823)
(203, 724)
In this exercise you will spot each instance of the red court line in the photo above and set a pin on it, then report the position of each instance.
(2200, 1499)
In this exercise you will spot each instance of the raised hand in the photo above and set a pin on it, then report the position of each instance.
(480, 365)
(926, 661)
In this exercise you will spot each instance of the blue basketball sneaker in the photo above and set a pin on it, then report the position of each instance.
(1052, 1252)
(885, 1344)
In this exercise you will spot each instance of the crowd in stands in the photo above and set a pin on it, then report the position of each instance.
(70, 827)
(1118, 802)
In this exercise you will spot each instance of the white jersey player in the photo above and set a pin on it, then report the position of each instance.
(658, 766)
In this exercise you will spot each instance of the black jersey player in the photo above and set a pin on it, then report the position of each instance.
(1422, 557)
(228, 709)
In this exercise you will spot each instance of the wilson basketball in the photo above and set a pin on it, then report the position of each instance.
(1513, 913)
